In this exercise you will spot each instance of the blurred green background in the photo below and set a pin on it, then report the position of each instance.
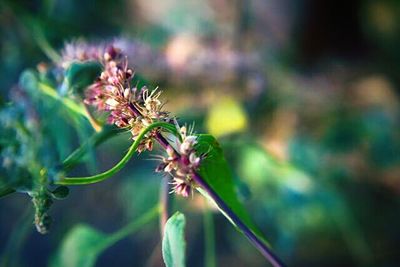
(302, 95)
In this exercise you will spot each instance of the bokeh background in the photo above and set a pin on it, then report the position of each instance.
(302, 95)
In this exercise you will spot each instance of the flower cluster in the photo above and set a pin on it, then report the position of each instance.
(129, 107)
(181, 163)
(135, 109)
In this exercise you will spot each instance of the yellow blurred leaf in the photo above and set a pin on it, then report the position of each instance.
(226, 116)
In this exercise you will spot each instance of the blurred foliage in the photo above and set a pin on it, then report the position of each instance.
(303, 96)
(83, 245)
(226, 117)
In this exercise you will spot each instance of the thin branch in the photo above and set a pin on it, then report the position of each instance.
(96, 139)
(133, 226)
(116, 168)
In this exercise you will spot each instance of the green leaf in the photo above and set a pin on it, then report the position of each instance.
(215, 171)
(173, 244)
(81, 74)
(81, 247)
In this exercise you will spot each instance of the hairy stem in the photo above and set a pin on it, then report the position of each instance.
(162, 141)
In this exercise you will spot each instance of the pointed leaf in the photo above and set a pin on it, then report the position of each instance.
(215, 171)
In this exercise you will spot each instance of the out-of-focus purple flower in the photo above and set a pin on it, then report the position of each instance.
(80, 50)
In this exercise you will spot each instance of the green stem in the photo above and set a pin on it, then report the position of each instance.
(209, 239)
(44, 45)
(68, 103)
(133, 226)
(96, 139)
(105, 175)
